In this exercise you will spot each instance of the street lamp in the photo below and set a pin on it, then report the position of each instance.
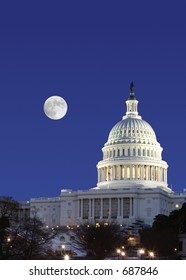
(141, 252)
(118, 252)
(62, 249)
(66, 257)
(123, 254)
(151, 255)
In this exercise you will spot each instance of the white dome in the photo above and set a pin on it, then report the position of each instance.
(132, 156)
(132, 130)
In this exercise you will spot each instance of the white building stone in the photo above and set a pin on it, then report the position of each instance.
(132, 180)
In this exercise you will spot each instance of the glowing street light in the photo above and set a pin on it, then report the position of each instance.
(118, 251)
(141, 252)
(151, 255)
(66, 257)
(123, 254)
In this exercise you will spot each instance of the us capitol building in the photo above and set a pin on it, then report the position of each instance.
(132, 180)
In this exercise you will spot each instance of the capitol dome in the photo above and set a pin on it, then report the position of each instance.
(132, 156)
(133, 130)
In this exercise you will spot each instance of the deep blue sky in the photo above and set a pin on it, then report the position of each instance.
(88, 52)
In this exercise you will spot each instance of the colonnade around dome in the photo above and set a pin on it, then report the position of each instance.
(132, 172)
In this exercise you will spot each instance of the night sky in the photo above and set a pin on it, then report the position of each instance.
(87, 52)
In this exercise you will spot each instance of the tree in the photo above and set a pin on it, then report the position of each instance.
(30, 240)
(26, 240)
(98, 241)
(8, 218)
(162, 237)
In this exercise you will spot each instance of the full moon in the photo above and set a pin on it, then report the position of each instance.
(55, 107)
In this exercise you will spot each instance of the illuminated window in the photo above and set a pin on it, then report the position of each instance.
(128, 171)
(139, 172)
(133, 172)
(122, 171)
(152, 172)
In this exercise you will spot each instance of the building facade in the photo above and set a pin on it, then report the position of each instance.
(132, 180)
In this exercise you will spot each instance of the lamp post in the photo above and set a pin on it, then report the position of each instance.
(66, 257)
(118, 252)
(63, 249)
(141, 252)
(122, 254)
(151, 255)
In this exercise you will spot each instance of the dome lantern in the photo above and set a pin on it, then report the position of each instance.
(132, 104)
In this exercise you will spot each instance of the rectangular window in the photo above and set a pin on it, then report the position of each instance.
(85, 208)
(97, 208)
(105, 208)
(145, 172)
(126, 207)
(128, 171)
(139, 172)
(114, 208)
(122, 171)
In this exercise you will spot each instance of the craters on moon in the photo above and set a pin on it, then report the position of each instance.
(55, 107)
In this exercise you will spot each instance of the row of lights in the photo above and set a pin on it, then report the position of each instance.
(69, 227)
(141, 252)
